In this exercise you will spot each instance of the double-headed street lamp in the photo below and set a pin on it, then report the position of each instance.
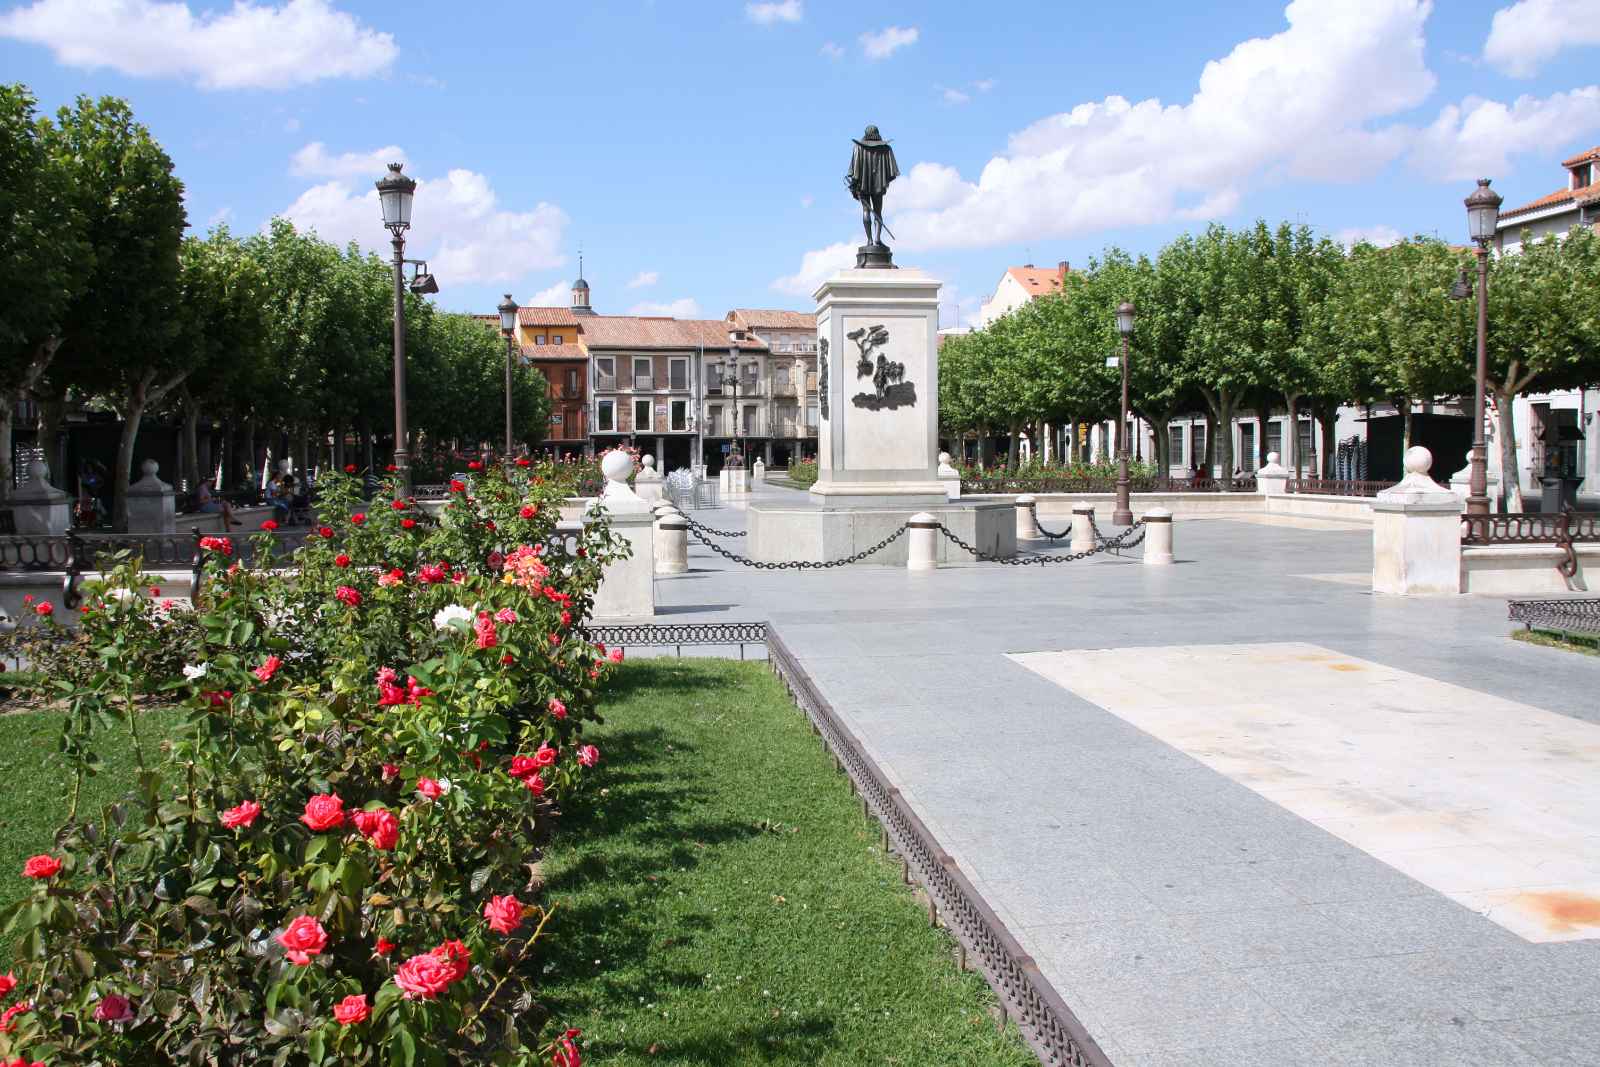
(508, 326)
(395, 191)
(1123, 515)
(1483, 213)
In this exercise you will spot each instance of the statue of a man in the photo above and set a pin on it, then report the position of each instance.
(872, 168)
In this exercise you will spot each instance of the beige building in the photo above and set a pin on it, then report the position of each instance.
(1018, 285)
(775, 382)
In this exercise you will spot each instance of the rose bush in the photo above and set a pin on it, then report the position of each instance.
(330, 862)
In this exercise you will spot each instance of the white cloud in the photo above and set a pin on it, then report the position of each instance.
(1477, 138)
(684, 308)
(887, 41)
(314, 161)
(983, 85)
(219, 217)
(1529, 32)
(955, 96)
(832, 51)
(817, 267)
(248, 46)
(558, 295)
(644, 278)
(1380, 235)
(458, 226)
(765, 14)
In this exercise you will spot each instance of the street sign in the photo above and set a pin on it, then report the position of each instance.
(1113, 361)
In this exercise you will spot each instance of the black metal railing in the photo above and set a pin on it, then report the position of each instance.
(1336, 487)
(1576, 615)
(1531, 528)
(1243, 483)
(680, 635)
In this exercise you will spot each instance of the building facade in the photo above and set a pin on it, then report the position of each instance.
(1018, 285)
(551, 341)
(770, 399)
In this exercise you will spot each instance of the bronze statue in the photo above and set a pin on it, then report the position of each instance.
(872, 168)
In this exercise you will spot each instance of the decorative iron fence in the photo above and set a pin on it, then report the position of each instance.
(1242, 483)
(1531, 528)
(1336, 487)
(1577, 615)
(679, 635)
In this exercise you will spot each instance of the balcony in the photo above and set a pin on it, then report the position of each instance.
(783, 389)
(643, 383)
(605, 383)
(794, 348)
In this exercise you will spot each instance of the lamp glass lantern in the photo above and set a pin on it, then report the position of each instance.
(1125, 317)
(508, 316)
(395, 192)
(1483, 212)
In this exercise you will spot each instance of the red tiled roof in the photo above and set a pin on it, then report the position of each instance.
(649, 331)
(770, 319)
(1581, 157)
(1037, 281)
(546, 317)
(572, 353)
(1560, 196)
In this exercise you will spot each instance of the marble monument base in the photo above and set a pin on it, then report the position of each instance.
(779, 534)
(915, 495)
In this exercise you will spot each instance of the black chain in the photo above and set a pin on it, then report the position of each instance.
(1120, 541)
(794, 565)
(715, 533)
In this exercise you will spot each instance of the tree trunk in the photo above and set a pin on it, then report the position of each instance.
(7, 425)
(1012, 448)
(132, 416)
(191, 443)
(366, 444)
(1263, 420)
(1406, 427)
(1291, 432)
(1330, 441)
(1510, 475)
(247, 455)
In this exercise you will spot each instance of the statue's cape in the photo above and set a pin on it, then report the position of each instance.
(872, 168)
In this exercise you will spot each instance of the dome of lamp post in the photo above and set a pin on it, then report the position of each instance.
(508, 315)
(395, 192)
(1125, 316)
(1483, 212)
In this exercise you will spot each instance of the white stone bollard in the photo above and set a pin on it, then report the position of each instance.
(1157, 537)
(1082, 527)
(672, 545)
(759, 473)
(1027, 518)
(1416, 534)
(922, 545)
(647, 483)
(1273, 479)
(627, 586)
(664, 507)
(151, 503)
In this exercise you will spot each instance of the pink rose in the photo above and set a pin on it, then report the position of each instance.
(390, 772)
(268, 668)
(424, 977)
(429, 788)
(432, 573)
(44, 607)
(458, 956)
(113, 1008)
(558, 709)
(303, 938)
(484, 628)
(352, 1009)
(505, 615)
(504, 914)
(325, 811)
(588, 755)
(243, 815)
(615, 655)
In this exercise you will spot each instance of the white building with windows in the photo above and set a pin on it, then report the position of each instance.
(1018, 285)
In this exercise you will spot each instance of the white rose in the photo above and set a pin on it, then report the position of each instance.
(192, 673)
(447, 615)
(444, 786)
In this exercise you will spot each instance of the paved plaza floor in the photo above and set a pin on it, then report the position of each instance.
(1240, 810)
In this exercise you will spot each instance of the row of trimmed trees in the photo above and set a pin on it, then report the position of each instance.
(108, 305)
(1275, 319)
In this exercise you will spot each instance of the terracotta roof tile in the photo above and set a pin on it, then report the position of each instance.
(771, 319)
(646, 331)
(1585, 195)
(566, 353)
(1037, 281)
(1593, 153)
(547, 317)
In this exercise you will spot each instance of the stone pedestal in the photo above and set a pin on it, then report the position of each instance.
(922, 545)
(758, 473)
(951, 477)
(1272, 479)
(878, 382)
(1027, 518)
(1158, 537)
(648, 482)
(39, 507)
(1082, 527)
(151, 503)
(672, 544)
(1416, 534)
(627, 586)
(1461, 484)
(735, 481)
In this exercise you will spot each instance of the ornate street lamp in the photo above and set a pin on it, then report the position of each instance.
(1483, 213)
(508, 326)
(1123, 515)
(395, 192)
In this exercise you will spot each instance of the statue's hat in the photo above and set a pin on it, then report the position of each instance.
(870, 139)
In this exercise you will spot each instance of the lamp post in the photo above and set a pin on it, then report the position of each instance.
(508, 326)
(1483, 212)
(1123, 515)
(395, 192)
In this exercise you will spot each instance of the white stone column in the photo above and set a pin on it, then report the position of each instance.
(39, 507)
(950, 477)
(151, 507)
(1027, 518)
(1273, 479)
(1157, 537)
(1416, 534)
(1082, 527)
(922, 542)
(672, 544)
(627, 586)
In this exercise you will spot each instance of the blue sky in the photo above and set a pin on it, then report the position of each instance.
(696, 149)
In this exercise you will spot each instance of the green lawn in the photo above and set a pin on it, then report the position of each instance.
(39, 781)
(728, 904)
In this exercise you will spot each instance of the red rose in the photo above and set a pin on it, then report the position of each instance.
(346, 595)
(528, 511)
(534, 784)
(303, 938)
(358, 518)
(558, 709)
(391, 468)
(474, 466)
(522, 461)
(507, 660)
(221, 545)
(349, 468)
(8, 982)
(430, 788)
(457, 487)
(398, 505)
(325, 532)
(44, 607)
(458, 956)
(588, 755)
(270, 525)
(545, 756)
(351, 1010)
(155, 590)
(268, 668)
(566, 1053)
(325, 811)
(42, 866)
(113, 1008)
(243, 815)
(379, 827)
(408, 524)
(8, 1022)
(432, 573)
(424, 977)
(390, 772)
(383, 946)
(341, 560)
(522, 766)
(504, 914)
